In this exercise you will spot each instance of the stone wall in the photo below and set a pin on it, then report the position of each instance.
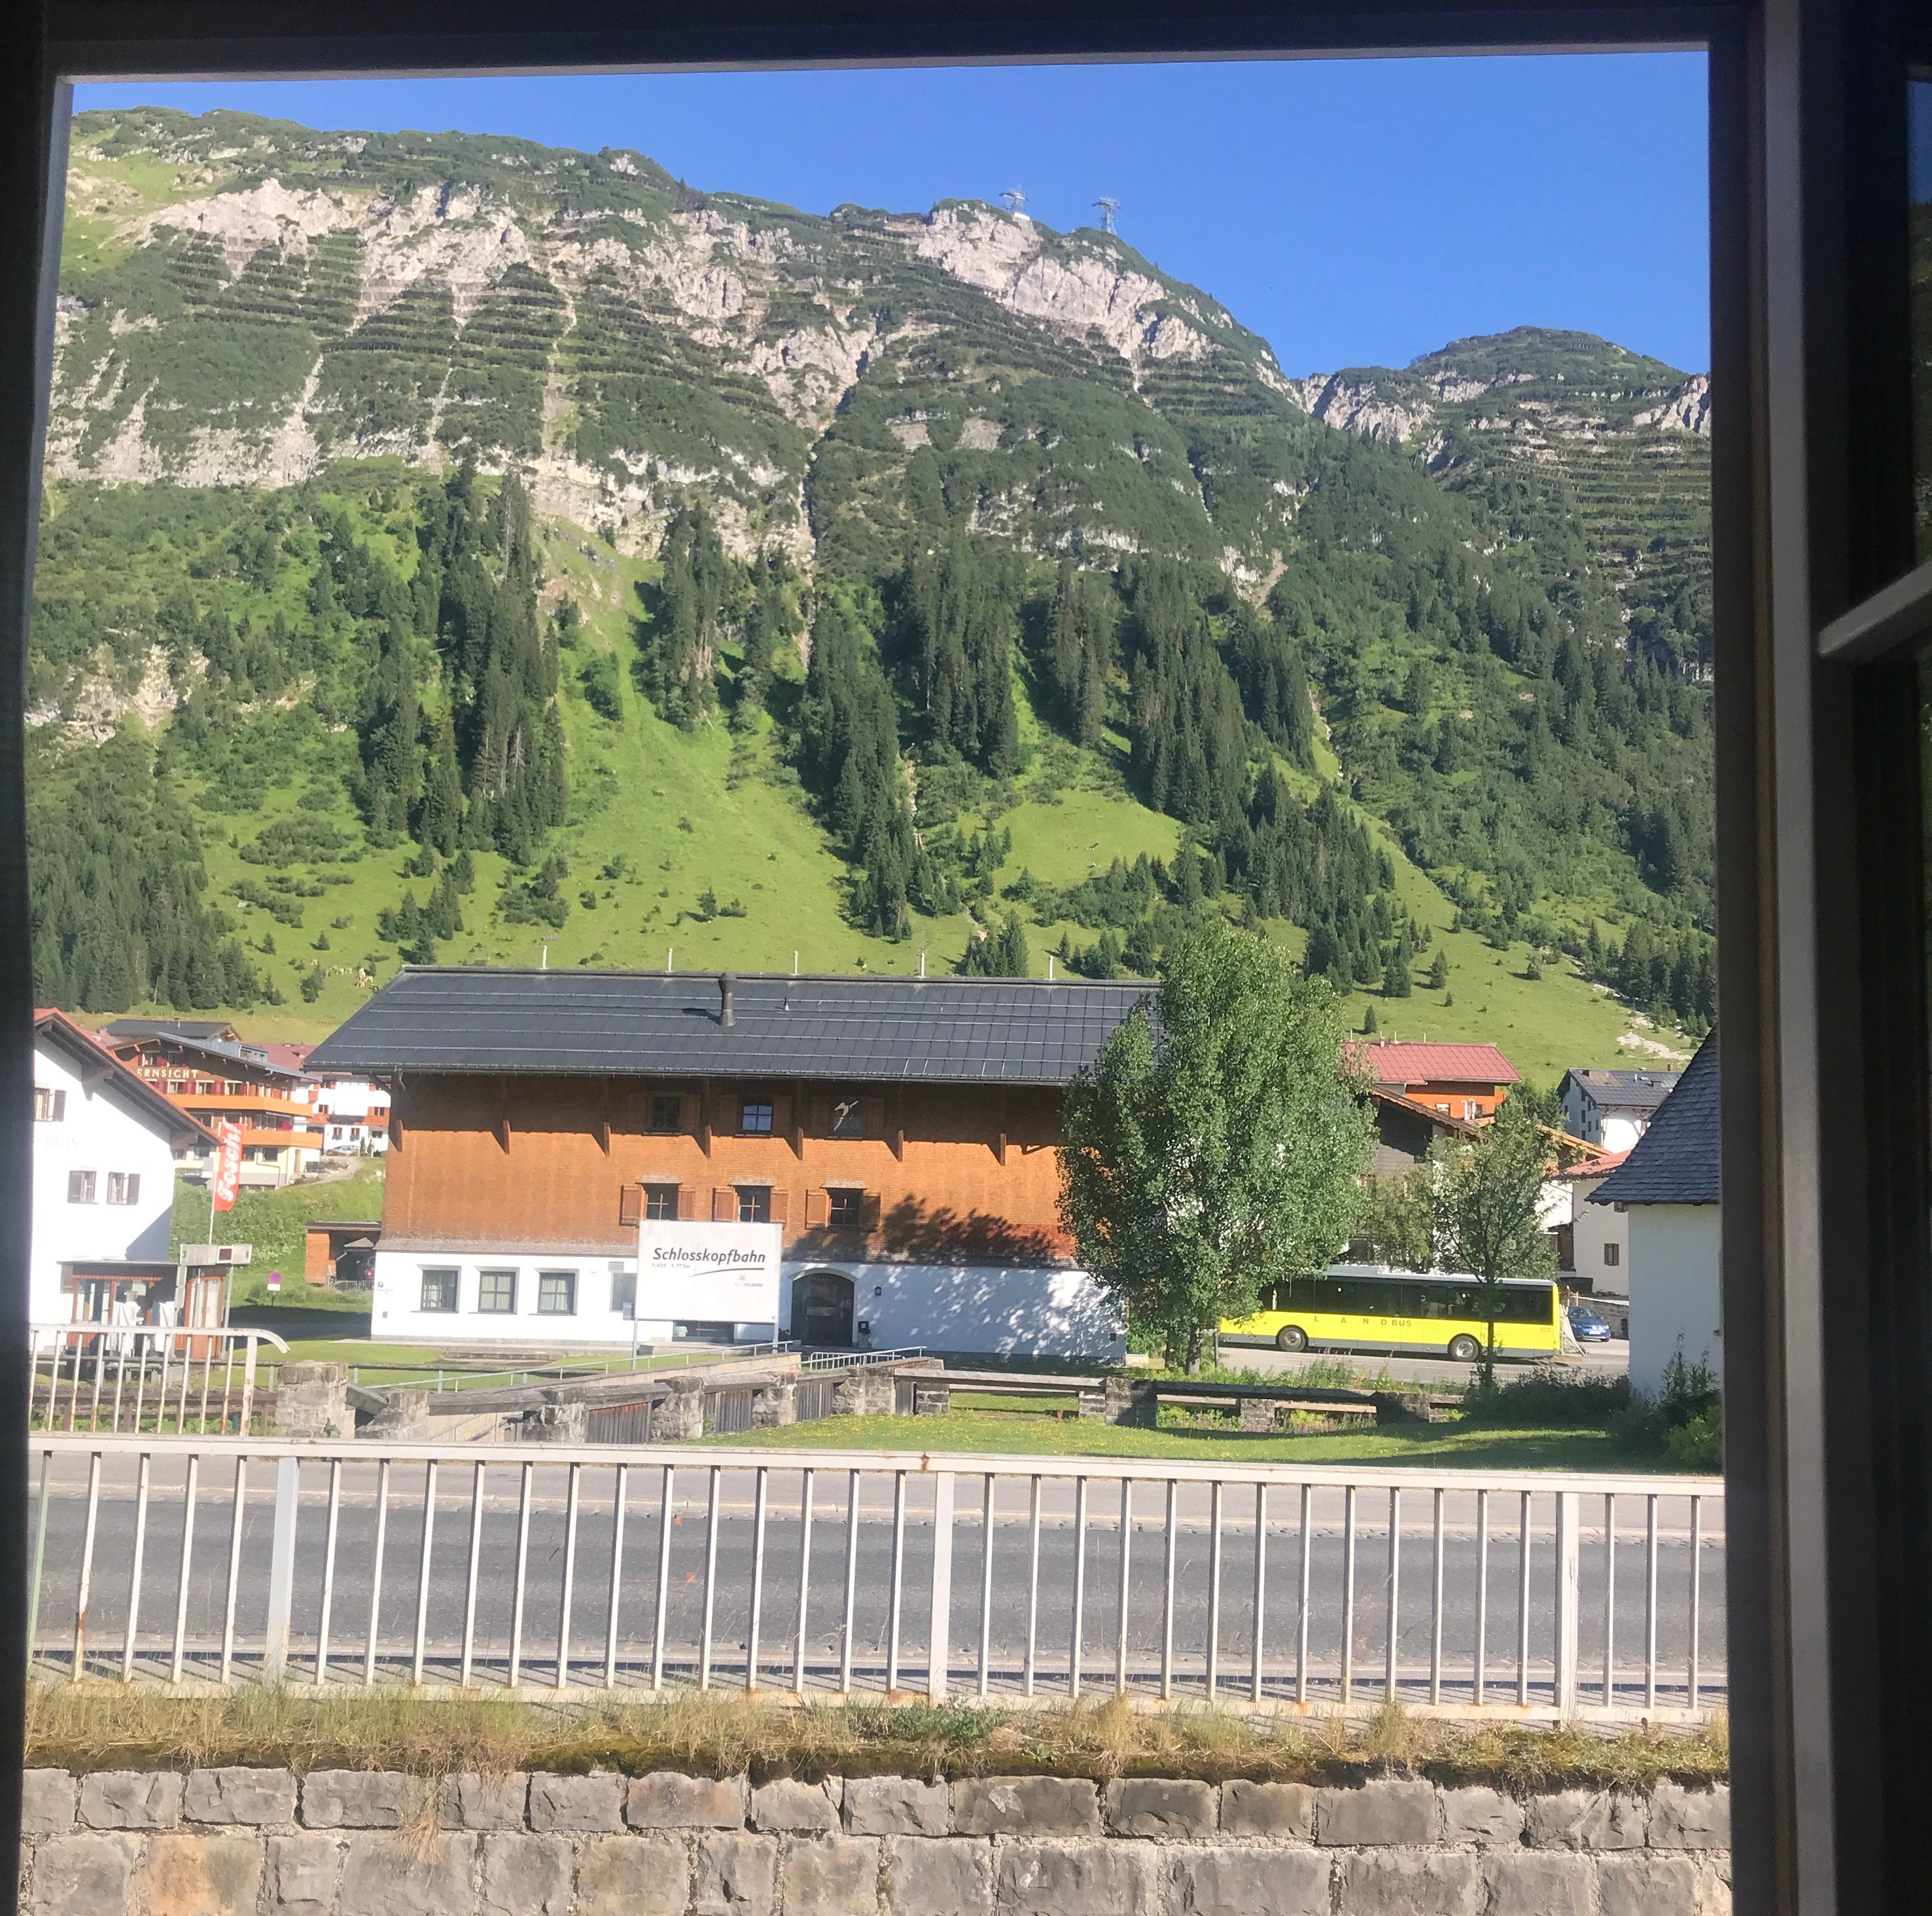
(264, 1842)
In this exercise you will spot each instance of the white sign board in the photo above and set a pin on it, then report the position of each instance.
(710, 1273)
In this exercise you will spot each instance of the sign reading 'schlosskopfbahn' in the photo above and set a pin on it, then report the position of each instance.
(711, 1273)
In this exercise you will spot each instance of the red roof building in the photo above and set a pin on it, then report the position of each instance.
(1464, 1081)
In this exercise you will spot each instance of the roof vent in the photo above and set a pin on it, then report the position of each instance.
(726, 1016)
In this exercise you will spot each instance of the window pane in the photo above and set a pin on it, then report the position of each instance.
(848, 1117)
(846, 1207)
(754, 1118)
(557, 1293)
(439, 1290)
(755, 1204)
(496, 1291)
(664, 1113)
(661, 1201)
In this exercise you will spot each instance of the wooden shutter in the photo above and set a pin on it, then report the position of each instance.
(725, 1205)
(781, 1205)
(868, 1211)
(631, 1204)
(687, 1203)
(817, 1209)
(821, 1117)
(874, 1109)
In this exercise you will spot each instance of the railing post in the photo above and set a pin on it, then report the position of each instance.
(939, 1657)
(281, 1562)
(248, 1387)
(1569, 1566)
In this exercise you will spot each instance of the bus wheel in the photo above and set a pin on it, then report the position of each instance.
(1291, 1337)
(1465, 1349)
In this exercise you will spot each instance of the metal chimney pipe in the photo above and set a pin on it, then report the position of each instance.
(725, 1016)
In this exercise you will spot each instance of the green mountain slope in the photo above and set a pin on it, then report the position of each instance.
(453, 545)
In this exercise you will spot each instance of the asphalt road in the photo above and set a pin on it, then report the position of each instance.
(1052, 1609)
(1609, 1360)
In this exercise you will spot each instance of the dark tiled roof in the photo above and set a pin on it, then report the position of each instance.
(1675, 1160)
(937, 1030)
(1627, 1091)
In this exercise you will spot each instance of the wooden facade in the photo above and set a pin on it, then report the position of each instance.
(949, 1173)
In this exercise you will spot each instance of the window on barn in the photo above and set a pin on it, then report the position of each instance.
(439, 1289)
(755, 1119)
(661, 1201)
(848, 1208)
(667, 1110)
(80, 1187)
(557, 1293)
(755, 1204)
(496, 1291)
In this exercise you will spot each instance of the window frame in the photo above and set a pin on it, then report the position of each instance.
(661, 1192)
(453, 1289)
(484, 1274)
(568, 1278)
(850, 1197)
(746, 1106)
(752, 1197)
(1825, 1222)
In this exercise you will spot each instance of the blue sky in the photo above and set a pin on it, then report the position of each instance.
(1353, 212)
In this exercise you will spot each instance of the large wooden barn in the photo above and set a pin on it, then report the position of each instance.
(900, 1134)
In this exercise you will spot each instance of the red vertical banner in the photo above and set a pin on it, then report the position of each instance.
(228, 1166)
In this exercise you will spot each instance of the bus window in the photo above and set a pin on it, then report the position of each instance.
(1427, 1300)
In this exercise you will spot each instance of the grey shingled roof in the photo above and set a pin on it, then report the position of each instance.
(1627, 1091)
(937, 1030)
(1675, 1160)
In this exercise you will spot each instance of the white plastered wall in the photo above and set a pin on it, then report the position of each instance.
(1675, 1300)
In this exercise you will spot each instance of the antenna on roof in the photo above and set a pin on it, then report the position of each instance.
(1108, 206)
(1015, 199)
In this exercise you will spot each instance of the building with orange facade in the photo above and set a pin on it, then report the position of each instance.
(205, 1068)
(1466, 1082)
(899, 1135)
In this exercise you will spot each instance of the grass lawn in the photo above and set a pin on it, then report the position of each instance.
(1430, 1446)
(273, 1222)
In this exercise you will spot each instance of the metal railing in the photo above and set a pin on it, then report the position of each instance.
(1542, 1595)
(858, 1360)
(564, 1370)
(140, 1376)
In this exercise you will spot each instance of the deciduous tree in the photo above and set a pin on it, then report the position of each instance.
(1214, 1147)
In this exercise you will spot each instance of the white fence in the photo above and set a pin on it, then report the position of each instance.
(209, 1561)
(136, 1377)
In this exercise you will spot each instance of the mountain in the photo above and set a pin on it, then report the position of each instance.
(451, 509)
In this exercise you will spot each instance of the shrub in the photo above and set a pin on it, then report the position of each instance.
(1547, 1395)
(1685, 1422)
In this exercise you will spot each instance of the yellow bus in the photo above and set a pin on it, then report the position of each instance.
(1367, 1306)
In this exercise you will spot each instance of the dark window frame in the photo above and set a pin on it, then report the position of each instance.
(447, 1280)
(755, 1204)
(1825, 1132)
(547, 1281)
(844, 1208)
(757, 1117)
(486, 1287)
(660, 1201)
(667, 1114)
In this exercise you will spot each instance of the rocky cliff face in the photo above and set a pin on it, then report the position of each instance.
(289, 299)
(244, 301)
